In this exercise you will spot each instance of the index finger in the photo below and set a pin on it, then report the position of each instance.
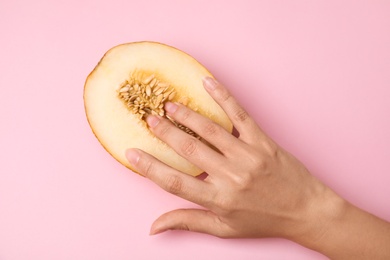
(171, 180)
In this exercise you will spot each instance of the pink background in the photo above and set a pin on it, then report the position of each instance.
(314, 74)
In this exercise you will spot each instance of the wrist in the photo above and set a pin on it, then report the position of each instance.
(340, 230)
(322, 212)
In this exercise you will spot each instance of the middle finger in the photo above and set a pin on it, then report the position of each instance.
(186, 145)
(205, 127)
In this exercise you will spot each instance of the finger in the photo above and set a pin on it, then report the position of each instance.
(194, 220)
(245, 125)
(186, 145)
(171, 180)
(206, 128)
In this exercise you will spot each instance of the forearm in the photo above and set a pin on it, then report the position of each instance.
(349, 233)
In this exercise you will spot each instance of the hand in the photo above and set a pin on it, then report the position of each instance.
(254, 188)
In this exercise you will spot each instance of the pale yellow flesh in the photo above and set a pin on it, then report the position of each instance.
(116, 127)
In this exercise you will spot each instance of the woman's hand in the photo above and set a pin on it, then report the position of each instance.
(254, 188)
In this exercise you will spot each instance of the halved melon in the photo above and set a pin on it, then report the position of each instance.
(129, 83)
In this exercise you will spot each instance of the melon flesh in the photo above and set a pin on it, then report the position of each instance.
(116, 127)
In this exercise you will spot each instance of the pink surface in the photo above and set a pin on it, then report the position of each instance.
(314, 74)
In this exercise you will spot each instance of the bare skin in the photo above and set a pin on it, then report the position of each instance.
(254, 188)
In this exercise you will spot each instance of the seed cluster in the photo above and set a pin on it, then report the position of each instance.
(147, 96)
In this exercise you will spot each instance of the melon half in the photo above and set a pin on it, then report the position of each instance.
(118, 125)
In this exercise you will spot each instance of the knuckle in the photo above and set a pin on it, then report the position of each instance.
(225, 96)
(148, 168)
(261, 165)
(189, 147)
(163, 130)
(259, 161)
(267, 151)
(184, 226)
(243, 181)
(241, 115)
(174, 184)
(210, 129)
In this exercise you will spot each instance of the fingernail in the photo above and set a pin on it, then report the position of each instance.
(171, 107)
(132, 156)
(155, 232)
(156, 229)
(210, 83)
(152, 121)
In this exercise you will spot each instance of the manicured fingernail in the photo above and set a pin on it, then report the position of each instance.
(152, 121)
(132, 156)
(171, 107)
(210, 83)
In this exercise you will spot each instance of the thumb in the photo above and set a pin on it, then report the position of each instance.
(195, 220)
